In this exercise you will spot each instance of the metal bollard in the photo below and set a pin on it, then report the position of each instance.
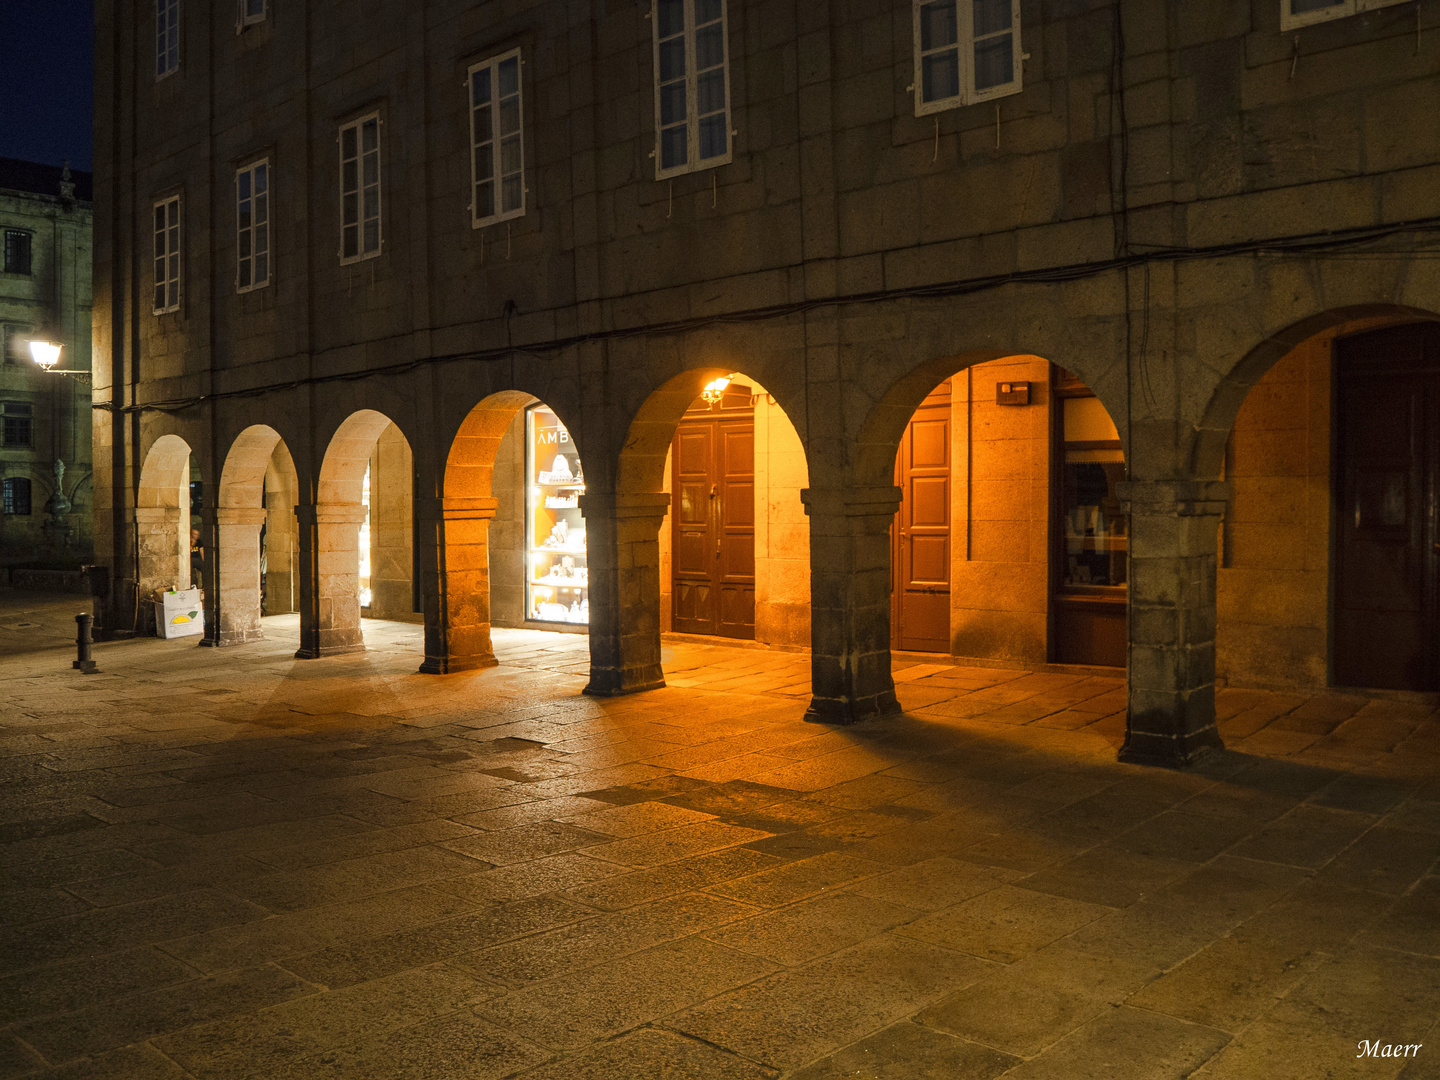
(83, 663)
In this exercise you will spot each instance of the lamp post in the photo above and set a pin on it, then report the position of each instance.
(46, 354)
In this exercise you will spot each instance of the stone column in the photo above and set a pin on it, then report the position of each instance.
(329, 601)
(850, 603)
(457, 591)
(157, 529)
(622, 545)
(233, 606)
(1174, 527)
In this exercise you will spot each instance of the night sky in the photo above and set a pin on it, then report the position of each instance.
(45, 81)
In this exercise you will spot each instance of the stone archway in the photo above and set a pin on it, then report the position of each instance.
(778, 548)
(162, 523)
(852, 512)
(457, 635)
(1278, 619)
(258, 452)
(624, 530)
(329, 543)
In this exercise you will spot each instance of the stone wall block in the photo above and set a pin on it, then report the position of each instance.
(1156, 626)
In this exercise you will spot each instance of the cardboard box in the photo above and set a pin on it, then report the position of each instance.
(178, 614)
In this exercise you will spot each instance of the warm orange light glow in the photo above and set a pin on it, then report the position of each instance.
(715, 389)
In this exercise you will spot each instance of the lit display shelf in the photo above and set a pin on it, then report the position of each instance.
(557, 578)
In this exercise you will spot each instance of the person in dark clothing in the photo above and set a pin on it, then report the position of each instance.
(197, 560)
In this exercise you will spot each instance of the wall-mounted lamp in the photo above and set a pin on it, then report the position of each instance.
(715, 390)
(47, 355)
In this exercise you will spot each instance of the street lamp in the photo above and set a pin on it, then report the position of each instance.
(45, 353)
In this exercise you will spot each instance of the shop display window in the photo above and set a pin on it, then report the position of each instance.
(1094, 523)
(557, 586)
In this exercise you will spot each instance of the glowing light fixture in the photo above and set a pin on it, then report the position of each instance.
(45, 353)
(715, 389)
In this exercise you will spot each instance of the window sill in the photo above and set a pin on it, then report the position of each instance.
(686, 170)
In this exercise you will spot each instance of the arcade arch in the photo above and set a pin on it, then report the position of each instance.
(162, 524)
(255, 535)
(735, 549)
(1307, 596)
(631, 596)
(460, 638)
(347, 510)
(1010, 541)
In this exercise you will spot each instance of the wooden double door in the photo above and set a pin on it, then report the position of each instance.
(920, 537)
(1387, 503)
(713, 519)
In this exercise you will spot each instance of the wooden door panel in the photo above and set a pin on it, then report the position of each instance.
(930, 443)
(737, 610)
(737, 450)
(738, 507)
(1388, 458)
(692, 603)
(925, 622)
(713, 546)
(737, 559)
(920, 551)
(692, 450)
(929, 562)
(694, 503)
(929, 502)
(692, 555)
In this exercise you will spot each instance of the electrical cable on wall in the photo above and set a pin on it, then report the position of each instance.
(1337, 243)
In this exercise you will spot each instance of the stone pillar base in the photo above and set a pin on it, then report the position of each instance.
(624, 560)
(227, 638)
(851, 711)
(1169, 751)
(316, 652)
(614, 682)
(443, 665)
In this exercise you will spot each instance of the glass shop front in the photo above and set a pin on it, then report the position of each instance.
(557, 585)
(1091, 528)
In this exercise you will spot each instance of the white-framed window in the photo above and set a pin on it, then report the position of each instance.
(252, 226)
(360, 189)
(250, 13)
(167, 255)
(965, 51)
(167, 37)
(1297, 13)
(497, 140)
(692, 86)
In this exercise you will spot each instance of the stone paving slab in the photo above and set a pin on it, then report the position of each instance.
(232, 864)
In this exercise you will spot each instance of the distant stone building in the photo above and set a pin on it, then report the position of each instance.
(1097, 333)
(46, 217)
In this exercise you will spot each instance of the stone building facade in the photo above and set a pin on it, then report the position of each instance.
(45, 220)
(324, 233)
